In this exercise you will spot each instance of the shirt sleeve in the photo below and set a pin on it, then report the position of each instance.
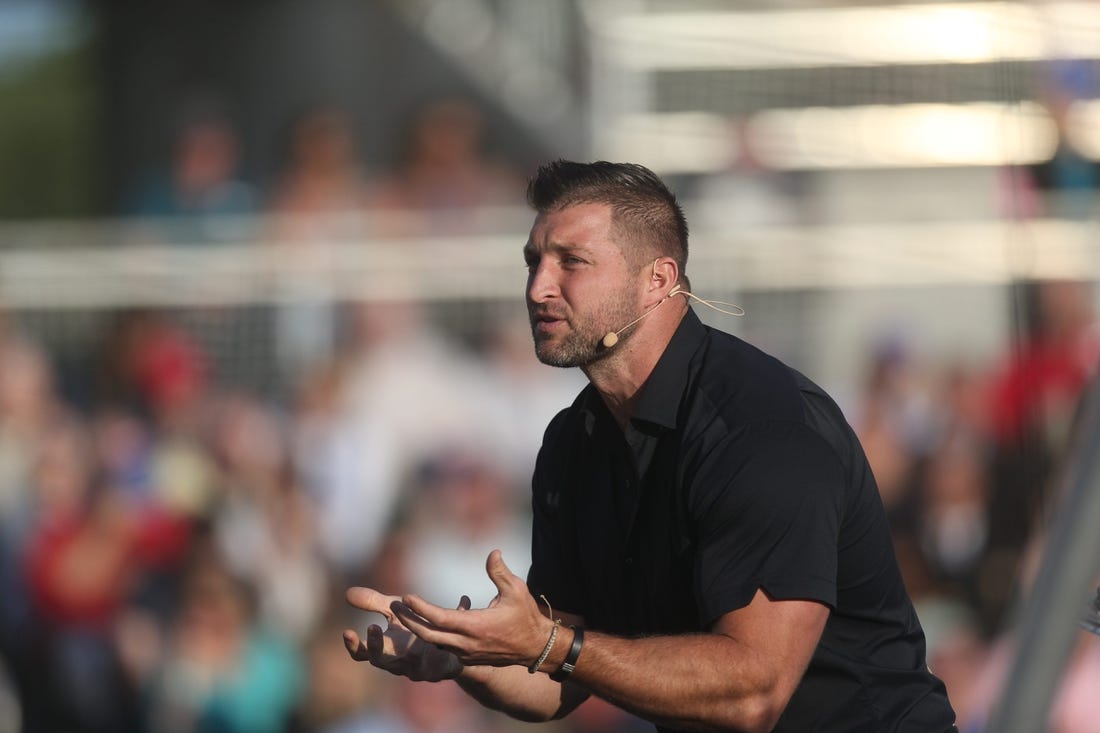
(767, 505)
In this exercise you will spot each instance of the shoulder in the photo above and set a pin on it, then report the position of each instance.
(744, 385)
(748, 407)
(741, 384)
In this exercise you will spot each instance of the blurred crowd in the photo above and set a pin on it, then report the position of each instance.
(174, 553)
(174, 549)
(446, 170)
(970, 461)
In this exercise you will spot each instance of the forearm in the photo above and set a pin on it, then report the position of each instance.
(517, 693)
(738, 677)
(694, 682)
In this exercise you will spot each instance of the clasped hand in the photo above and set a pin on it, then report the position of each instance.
(423, 641)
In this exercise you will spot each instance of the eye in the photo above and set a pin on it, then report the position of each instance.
(570, 260)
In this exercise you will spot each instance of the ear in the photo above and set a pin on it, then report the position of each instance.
(664, 276)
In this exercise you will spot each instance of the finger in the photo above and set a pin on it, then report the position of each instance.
(375, 646)
(368, 599)
(429, 614)
(428, 630)
(381, 651)
(355, 646)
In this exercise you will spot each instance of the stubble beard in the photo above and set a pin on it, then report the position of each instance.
(575, 349)
(582, 345)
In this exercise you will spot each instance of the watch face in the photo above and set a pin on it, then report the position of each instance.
(1091, 619)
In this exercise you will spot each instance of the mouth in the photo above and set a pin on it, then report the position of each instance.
(546, 323)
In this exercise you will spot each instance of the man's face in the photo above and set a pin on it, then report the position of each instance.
(579, 285)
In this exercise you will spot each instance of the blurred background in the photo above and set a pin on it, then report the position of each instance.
(262, 334)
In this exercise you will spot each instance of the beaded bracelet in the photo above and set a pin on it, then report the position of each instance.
(549, 642)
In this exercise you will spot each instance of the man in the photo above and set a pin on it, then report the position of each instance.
(705, 524)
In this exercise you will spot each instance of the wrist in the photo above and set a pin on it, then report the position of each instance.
(551, 637)
(573, 653)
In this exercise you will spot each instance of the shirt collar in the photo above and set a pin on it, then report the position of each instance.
(660, 398)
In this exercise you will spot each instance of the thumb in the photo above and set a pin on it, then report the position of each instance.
(498, 572)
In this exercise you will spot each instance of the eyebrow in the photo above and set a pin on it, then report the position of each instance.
(556, 248)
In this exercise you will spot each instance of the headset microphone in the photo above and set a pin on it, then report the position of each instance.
(612, 337)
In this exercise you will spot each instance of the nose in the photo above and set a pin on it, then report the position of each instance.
(541, 283)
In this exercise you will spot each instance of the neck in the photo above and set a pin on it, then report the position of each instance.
(619, 378)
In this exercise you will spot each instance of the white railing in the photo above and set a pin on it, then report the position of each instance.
(103, 264)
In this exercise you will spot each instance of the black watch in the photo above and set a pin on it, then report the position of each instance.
(570, 662)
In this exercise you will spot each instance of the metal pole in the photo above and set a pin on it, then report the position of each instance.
(1050, 618)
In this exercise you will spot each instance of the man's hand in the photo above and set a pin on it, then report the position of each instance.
(511, 630)
(397, 650)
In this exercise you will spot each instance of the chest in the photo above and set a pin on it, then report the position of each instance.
(631, 528)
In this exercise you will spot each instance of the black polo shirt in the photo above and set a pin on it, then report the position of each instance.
(735, 473)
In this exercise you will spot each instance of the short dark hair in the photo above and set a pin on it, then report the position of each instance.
(643, 208)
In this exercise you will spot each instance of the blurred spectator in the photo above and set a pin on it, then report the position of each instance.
(953, 526)
(28, 411)
(338, 697)
(1070, 178)
(464, 510)
(318, 200)
(221, 671)
(171, 372)
(201, 198)
(322, 181)
(747, 191)
(151, 365)
(152, 370)
(84, 556)
(124, 452)
(28, 407)
(347, 463)
(953, 488)
(264, 527)
(445, 173)
(1034, 396)
(426, 389)
(894, 420)
(522, 397)
(1065, 184)
(1038, 387)
(89, 543)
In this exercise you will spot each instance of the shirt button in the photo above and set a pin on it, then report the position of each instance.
(629, 560)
